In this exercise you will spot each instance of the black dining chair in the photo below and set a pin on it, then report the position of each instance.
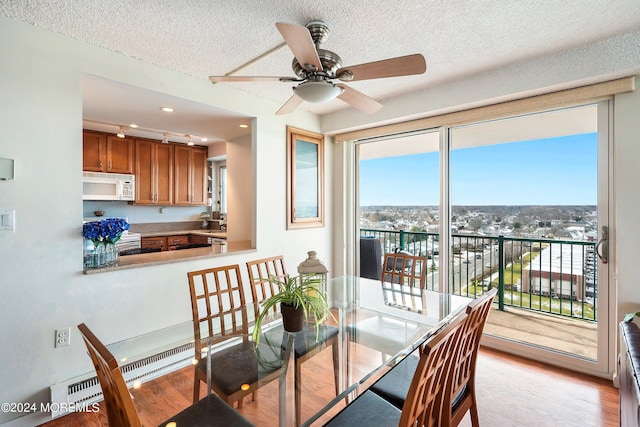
(121, 411)
(460, 395)
(423, 403)
(370, 258)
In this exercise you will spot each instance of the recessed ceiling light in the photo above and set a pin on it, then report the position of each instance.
(204, 139)
(167, 109)
(244, 126)
(133, 125)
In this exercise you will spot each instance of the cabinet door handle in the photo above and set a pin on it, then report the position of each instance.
(110, 166)
(100, 164)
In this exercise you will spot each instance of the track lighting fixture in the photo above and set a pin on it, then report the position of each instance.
(136, 130)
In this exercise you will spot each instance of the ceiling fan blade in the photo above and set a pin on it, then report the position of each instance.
(392, 67)
(359, 100)
(230, 79)
(301, 44)
(291, 104)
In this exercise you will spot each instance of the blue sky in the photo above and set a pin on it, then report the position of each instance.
(553, 171)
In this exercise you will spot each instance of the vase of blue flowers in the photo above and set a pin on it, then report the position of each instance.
(103, 235)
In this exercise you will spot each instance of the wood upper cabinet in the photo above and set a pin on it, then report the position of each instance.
(106, 153)
(119, 154)
(94, 151)
(154, 173)
(190, 175)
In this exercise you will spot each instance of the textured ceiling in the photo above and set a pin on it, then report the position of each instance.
(458, 38)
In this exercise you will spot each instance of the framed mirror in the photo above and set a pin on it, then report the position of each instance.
(305, 179)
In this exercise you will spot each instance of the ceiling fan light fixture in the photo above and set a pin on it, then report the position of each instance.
(317, 91)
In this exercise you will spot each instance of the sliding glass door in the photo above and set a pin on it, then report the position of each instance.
(398, 196)
(520, 203)
(528, 198)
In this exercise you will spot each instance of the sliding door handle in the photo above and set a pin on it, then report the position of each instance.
(602, 248)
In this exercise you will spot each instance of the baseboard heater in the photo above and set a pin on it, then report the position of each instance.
(83, 391)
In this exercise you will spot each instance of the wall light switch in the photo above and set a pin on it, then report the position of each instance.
(7, 220)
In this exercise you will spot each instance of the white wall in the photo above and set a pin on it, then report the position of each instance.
(41, 281)
(240, 190)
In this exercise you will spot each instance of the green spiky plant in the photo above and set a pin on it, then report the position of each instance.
(297, 291)
(629, 316)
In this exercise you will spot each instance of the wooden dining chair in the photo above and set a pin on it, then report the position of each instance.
(379, 332)
(460, 395)
(405, 269)
(309, 341)
(121, 412)
(461, 390)
(219, 310)
(423, 403)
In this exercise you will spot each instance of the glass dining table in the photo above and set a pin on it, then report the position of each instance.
(379, 324)
(373, 326)
(304, 378)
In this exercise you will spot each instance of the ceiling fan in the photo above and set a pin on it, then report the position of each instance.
(315, 69)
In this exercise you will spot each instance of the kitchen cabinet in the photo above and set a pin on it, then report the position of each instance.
(154, 173)
(153, 244)
(177, 242)
(190, 174)
(106, 153)
(198, 240)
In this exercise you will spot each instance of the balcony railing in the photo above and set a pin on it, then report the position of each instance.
(553, 276)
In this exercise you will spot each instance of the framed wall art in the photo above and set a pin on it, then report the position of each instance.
(305, 179)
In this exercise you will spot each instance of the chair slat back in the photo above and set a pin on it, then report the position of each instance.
(463, 370)
(403, 268)
(260, 271)
(477, 313)
(120, 408)
(423, 405)
(217, 304)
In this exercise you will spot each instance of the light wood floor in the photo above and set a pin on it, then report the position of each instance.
(512, 392)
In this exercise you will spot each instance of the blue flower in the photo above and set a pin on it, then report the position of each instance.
(106, 230)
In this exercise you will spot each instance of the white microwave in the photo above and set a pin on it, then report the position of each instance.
(108, 186)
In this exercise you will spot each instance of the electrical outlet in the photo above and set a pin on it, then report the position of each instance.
(63, 337)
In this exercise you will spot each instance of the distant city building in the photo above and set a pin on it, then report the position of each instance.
(558, 270)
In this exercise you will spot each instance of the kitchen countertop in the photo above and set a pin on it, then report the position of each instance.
(219, 234)
(166, 257)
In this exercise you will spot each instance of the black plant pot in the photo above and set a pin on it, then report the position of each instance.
(292, 318)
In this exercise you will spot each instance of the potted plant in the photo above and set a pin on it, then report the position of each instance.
(299, 298)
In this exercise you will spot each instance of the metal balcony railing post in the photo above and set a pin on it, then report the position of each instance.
(402, 237)
(501, 273)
